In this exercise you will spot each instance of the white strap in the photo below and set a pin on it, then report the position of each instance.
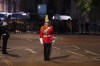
(46, 30)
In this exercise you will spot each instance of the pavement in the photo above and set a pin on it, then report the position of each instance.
(68, 50)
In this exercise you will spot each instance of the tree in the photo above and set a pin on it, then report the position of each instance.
(84, 7)
(95, 10)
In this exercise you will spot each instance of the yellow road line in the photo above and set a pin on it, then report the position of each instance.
(5, 60)
(1, 55)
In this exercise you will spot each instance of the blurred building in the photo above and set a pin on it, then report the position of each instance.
(64, 7)
(9, 5)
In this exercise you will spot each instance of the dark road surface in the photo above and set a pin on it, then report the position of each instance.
(68, 50)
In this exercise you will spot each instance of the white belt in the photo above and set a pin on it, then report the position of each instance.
(47, 36)
(4, 34)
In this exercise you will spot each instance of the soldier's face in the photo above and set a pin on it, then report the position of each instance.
(46, 24)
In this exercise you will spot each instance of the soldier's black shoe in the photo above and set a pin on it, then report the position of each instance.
(47, 60)
(5, 52)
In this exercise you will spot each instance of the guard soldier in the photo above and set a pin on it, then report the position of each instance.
(87, 28)
(46, 38)
(70, 27)
(0, 31)
(5, 36)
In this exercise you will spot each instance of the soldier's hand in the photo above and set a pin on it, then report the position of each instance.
(53, 40)
(41, 40)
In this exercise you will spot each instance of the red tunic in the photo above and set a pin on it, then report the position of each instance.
(47, 33)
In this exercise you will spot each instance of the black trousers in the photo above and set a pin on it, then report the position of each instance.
(4, 46)
(47, 51)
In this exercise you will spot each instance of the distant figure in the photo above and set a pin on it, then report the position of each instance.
(14, 24)
(95, 28)
(69, 27)
(0, 31)
(87, 28)
(46, 38)
(81, 28)
(5, 36)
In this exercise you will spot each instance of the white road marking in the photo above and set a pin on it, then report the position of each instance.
(75, 53)
(76, 47)
(30, 50)
(55, 47)
(96, 59)
(91, 52)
